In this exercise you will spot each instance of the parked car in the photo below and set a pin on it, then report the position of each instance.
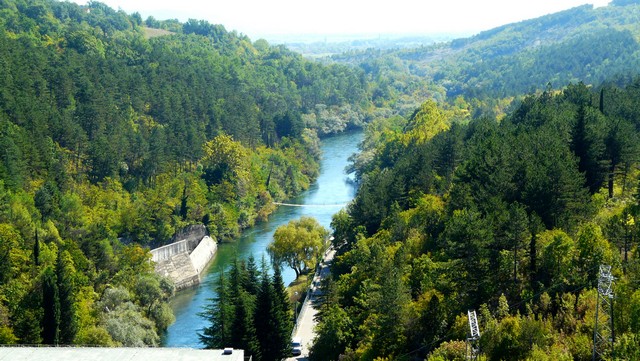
(296, 346)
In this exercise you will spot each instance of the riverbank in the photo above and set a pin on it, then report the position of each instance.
(332, 189)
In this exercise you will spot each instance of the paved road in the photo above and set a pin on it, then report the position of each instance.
(306, 323)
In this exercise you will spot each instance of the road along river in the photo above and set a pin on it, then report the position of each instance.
(325, 197)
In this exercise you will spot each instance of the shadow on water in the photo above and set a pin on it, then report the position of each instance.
(333, 187)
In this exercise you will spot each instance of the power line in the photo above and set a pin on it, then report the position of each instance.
(310, 205)
(473, 349)
(603, 335)
(451, 332)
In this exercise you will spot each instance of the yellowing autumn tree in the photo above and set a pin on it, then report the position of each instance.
(298, 244)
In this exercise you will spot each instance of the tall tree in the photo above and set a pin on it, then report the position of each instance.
(298, 244)
(264, 317)
(243, 332)
(66, 291)
(587, 143)
(218, 312)
(51, 308)
(282, 315)
(252, 282)
(36, 250)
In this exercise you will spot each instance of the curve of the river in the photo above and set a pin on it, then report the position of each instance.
(325, 197)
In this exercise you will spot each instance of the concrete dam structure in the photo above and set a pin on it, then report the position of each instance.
(183, 261)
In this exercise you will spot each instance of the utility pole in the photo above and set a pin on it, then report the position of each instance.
(473, 349)
(603, 331)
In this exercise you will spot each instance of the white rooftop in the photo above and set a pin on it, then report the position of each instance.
(118, 354)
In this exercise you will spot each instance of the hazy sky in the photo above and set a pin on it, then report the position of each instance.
(261, 18)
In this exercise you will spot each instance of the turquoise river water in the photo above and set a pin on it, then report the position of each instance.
(332, 190)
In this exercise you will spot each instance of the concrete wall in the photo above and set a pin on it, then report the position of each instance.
(165, 253)
(183, 261)
(203, 254)
(179, 269)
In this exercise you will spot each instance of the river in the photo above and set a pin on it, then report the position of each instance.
(325, 197)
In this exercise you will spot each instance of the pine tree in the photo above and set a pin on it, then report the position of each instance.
(588, 146)
(243, 332)
(264, 316)
(282, 320)
(219, 313)
(272, 316)
(251, 284)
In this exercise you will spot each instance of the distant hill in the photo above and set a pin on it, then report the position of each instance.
(318, 46)
(580, 44)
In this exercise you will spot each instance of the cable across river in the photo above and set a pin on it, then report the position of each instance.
(310, 205)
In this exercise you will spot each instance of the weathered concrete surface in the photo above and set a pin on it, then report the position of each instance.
(183, 261)
(203, 254)
(119, 354)
(165, 253)
(180, 270)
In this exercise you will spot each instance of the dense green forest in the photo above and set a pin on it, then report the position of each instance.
(512, 218)
(116, 132)
(586, 44)
(251, 312)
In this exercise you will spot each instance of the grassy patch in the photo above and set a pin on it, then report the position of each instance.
(153, 33)
(300, 285)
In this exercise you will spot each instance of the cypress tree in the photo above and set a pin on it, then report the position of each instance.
(51, 307)
(36, 250)
(184, 209)
(588, 146)
(66, 286)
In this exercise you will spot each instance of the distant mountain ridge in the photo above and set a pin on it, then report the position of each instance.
(584, 43)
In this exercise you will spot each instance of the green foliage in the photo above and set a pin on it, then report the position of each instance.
(251, 311)
(51, 308)
(111, 140)
(514, 225)
(65, 273)
(298, 244)
(449, 351)
(483, 73)
(334, 335)
(124, 320)
(128, 327)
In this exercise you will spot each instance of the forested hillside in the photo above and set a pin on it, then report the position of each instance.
(511, 218)
(114, 135)
(579, 44)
